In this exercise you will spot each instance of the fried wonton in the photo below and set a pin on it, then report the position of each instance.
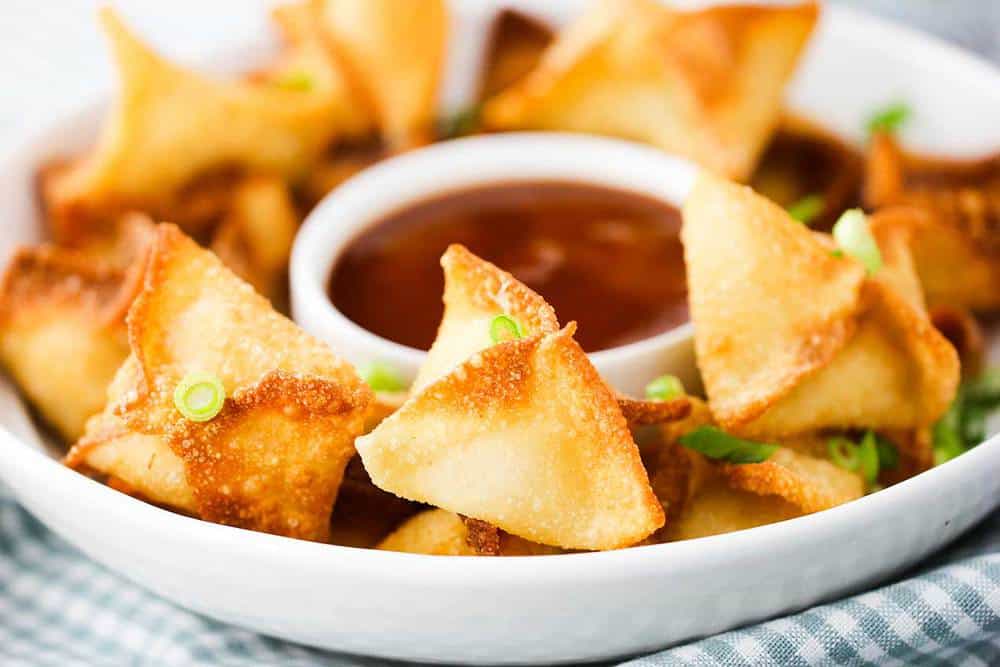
(395, 53)
(273, 458)
(792, 337)
(62, 330)
(702, 496)
(255, 238)
(516, 44)
(718, 508)
(805, 161)
(365, 514)
(705, 84)
(439, 532)
(526, 436)
(170, 125)
(956, 239)
(475, 292)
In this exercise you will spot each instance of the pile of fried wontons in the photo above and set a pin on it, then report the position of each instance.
(828, 372)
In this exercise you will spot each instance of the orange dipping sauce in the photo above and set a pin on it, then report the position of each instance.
(610, 259)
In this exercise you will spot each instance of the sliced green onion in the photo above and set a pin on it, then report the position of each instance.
(888, 455)
(844, 453)
(461, 123)
(868, 456)
(299, 81)
(806, 209)
(889, 118)
(838, 253)
(381, 376)
(855, 238)
(199, 396)
(947, 434)
(504, 328)
(717, 444)
(665, 388)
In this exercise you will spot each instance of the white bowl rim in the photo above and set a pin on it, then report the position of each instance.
(694, 555)
(312, 262)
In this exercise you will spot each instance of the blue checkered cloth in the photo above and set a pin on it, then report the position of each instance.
(59, 609)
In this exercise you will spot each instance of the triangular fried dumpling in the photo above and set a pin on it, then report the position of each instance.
(792, 338)
(705, 84)
(526, 436)
(439, 532)
(170, 125)
(62, 330)
(395, 52)
(255, 238)
(955, 221)
(273, 458)
(475, 292)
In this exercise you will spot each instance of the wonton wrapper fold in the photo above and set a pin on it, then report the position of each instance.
(273, 458)
(791, 338)
(704, 84)
(526, 436)
(170, 125)
(476, 291)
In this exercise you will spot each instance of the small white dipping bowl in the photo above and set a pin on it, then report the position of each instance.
(455, 165)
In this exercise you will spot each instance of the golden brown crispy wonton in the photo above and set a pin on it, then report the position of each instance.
(394, 52)
(526, 436)
(62, 330)
(475, 292)
(791, 338)
(705, 84)
(442, 533)
(803, 161)
(516, 44)
(956, 233)
(702, 496)
(170, 127)
(255, 238)
(273, 458)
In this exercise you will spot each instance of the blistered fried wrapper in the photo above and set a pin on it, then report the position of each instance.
(792, 337)
(706, 85)
(273, 458)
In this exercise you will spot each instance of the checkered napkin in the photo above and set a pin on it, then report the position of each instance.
(59, 609)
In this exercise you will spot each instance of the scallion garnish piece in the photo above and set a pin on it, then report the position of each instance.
(461, 123)
(299, 81)
(199, 396)
(855, 238)
(868, 458)
(844, 453)
(665, 388)
(806, 209)
(717, 444)
(381, 376)
(889, 118)
(888, 455)
(504, 328)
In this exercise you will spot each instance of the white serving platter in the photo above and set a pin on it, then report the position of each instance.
(539, 609)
